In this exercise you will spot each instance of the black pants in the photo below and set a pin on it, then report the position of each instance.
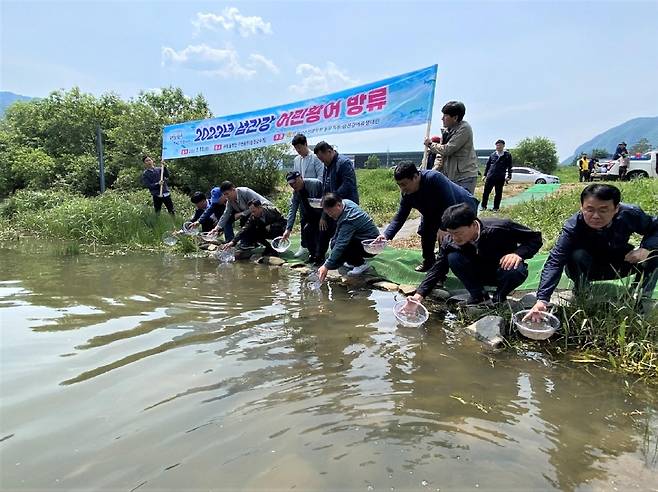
(311, 236)
(258, 233)
(475, 275)
(427, 232)
(584, 176)
(497, 186)
(583, 268)
(159, 200)
(324, 237)
(354, 253)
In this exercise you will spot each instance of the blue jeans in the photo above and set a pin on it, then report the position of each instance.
(476, 274)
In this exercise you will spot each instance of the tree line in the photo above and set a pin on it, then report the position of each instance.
(51, 143)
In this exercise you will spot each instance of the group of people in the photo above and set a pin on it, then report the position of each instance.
(589, 167)
(481, 252)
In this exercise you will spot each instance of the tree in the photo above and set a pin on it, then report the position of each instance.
(537, 152)
(640, 147)
(372, 162)
(600, 154)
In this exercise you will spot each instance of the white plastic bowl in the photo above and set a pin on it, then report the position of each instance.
(280, 245)
(208, 236)
(313, 281)
(191, 231)
(540, 330)
(169, 239)
(315, 202)
(411, 313)
(374, 247)
(227, 256)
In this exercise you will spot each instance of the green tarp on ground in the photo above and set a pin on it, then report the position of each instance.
(535, 192)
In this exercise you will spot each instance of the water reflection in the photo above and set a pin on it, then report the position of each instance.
(161, 372)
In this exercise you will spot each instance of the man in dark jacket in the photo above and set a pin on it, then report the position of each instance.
(207, 221)
(431, 193)
(215, 209)
(155, 179)
(496, 173)
(264, 222)
(339, 178)
(482, 252)
(594, 245)
(353, 225)
(303, 189)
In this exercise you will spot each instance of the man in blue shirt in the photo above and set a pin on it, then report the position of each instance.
(431, 193)
(353, 225)
(593, 245)
(215, 210)
(155, 179)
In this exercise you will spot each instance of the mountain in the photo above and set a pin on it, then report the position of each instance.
(629, 132)
(8, 98)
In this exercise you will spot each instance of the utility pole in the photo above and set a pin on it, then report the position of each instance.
(101, 163)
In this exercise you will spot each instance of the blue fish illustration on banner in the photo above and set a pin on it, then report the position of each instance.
(404, 100)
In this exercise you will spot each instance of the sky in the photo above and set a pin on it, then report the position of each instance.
(564, 70)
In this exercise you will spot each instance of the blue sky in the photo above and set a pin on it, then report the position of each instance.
(563, 70)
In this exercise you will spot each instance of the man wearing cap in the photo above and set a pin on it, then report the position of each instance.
(237, 207)
(307, 164)
(460, 162)
(339, 178)
(264, 222)
(497, 172)
(303, 189)
(207, 221)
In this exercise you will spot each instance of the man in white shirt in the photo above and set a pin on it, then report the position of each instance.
(309, 166)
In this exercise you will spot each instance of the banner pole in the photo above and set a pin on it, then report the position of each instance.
(429, 121)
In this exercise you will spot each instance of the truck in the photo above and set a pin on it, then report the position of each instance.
(639, 166)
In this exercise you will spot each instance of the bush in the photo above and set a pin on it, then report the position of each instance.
(538, 152)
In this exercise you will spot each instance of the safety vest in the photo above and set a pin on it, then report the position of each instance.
(584, 164)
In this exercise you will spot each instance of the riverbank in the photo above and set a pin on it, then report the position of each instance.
(610, 332)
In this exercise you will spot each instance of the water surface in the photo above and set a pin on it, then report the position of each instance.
(153, 372)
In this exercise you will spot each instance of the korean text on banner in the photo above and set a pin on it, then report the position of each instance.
(405, 100)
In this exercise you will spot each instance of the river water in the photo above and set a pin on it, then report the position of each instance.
(154, 372)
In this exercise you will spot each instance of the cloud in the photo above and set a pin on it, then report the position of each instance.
(223, 62)
(203, 58)
(232, 19)
(256, 59)
(318, 80)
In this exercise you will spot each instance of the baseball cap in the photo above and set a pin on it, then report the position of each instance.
(436, 139)
(215, 195)
(292, 176)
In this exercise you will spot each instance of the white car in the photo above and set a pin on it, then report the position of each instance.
(529, 175)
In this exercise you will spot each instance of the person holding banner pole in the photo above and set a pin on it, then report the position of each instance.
(459, 160)
(307, 164)
(338, 178)
(155, 179)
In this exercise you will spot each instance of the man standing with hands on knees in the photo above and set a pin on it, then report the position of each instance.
(593, 245)
(155, 179)
(497, 172)
(481, 252)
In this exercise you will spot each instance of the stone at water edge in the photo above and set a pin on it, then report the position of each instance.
(439, 294)
(528, 300)
(274, 260)
(562, 298)
(488, 330)
(407, 289)
(212, 247)
(384, 285)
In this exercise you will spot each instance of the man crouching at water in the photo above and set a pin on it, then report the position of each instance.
(353, 225)
(264, 222)
(481, 252)
(593, 245)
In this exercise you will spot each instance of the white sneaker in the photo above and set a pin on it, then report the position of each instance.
(359, 270)
(301, 252)
(348, 266)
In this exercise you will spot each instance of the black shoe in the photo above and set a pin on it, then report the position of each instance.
(495, 210)
(480, 301)
(424, 266)
(269, 251)
(245, 245)
(318, 262)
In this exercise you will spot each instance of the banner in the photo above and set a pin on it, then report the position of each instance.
(405, 100)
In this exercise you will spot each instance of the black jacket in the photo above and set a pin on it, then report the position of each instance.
(604, 244)
(498, 167)
(498, 237)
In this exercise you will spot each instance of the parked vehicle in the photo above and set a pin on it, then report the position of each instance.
(639, 166)
(529, 175)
